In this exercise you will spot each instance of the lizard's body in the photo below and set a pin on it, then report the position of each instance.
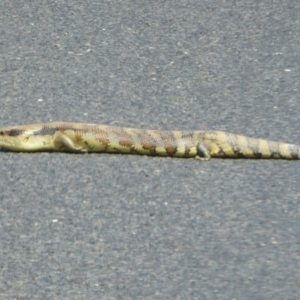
(82, 138)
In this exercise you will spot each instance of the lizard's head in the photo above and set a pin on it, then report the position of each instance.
(21, 138)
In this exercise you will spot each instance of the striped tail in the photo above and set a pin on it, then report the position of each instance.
(225, 144)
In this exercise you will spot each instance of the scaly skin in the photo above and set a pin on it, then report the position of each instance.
(82, 138)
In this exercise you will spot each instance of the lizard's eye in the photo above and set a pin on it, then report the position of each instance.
(14, 132)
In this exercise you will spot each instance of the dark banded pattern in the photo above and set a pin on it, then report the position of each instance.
(81, 138)
(233, 145)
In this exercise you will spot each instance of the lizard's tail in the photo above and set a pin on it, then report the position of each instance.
(225, 144)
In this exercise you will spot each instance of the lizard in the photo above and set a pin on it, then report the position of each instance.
(89, 138)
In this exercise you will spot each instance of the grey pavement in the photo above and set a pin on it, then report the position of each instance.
(105, 226)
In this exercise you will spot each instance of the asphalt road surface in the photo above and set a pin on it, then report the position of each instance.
(106, 226)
